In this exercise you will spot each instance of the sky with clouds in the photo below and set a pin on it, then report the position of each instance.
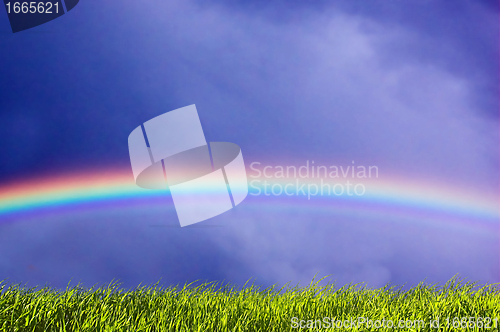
(409, 86)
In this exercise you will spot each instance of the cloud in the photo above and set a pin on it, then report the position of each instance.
(331, 86)
(338, 85)
(268, 243)
(281, 244)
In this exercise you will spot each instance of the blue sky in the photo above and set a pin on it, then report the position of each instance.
(409, 86)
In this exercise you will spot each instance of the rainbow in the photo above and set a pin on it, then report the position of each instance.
(113, 186)
(69, 190)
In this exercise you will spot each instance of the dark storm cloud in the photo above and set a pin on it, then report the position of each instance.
(245, 68)
(405, 87)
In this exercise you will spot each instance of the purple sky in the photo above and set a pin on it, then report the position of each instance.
(409, 86)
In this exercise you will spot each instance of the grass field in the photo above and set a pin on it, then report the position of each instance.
(460, 306)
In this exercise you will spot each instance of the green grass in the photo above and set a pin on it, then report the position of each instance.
(215, 307)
